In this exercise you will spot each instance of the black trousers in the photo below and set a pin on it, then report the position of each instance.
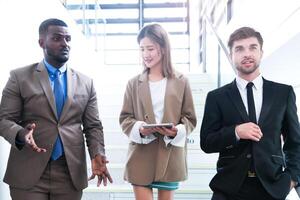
(251, 189)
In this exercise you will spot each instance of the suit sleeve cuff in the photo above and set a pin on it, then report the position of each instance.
(19, 143)
(236, 135)
(135, 135)
(180, 139)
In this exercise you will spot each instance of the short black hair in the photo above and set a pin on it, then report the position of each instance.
(50, 22)
(244, 33)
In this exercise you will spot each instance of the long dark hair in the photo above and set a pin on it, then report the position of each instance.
(157, 34)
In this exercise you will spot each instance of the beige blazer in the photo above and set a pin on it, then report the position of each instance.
(28, 97)
(156, 161)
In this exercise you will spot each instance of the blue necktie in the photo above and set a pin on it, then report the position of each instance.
(59, 100)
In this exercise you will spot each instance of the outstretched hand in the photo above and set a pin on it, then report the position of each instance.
(99, 169)
(26, 135)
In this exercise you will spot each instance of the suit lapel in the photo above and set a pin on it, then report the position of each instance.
(43, 76)
(237, 100)
(268, 93)
(70, 92)
(145, 96)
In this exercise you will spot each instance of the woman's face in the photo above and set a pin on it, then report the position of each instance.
(150, 53)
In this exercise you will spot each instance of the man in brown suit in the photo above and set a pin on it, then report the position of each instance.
(46, 110)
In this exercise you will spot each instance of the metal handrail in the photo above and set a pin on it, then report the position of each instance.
(220, 42)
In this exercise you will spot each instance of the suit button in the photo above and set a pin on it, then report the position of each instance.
(249, 155)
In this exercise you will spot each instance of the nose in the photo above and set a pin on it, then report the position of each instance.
(65, 42)
(247, 53)
(145, 54)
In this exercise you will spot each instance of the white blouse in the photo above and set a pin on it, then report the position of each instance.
(158, 88)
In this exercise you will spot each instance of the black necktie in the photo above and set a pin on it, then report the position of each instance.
(251, 105)
(252, 117)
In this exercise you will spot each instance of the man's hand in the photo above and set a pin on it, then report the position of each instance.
(99, 169)
(249, 131)
(26, 136)
(293, 184)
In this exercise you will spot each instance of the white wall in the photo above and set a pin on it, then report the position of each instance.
(277, 22)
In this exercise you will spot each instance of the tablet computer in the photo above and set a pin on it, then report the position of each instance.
(166, 125)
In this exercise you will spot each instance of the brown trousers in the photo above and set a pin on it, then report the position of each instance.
(54, 184)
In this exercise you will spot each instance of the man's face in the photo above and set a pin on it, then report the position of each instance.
(56, 45)
(246, 55)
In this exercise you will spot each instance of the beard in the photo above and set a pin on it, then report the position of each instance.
(247, 70)
(61, 56)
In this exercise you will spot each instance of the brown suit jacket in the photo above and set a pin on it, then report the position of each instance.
(27, 98)
(156, 161)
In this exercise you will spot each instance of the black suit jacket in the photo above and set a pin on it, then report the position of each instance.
(224, 110)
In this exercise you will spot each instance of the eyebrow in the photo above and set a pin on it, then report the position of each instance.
(147, 46)
(241, 46)
(60, 34)
(238, 47)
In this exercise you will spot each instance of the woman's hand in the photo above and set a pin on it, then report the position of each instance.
(146, 131)
(170, 132)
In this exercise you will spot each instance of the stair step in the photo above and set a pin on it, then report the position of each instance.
(122, 192)
(198, 175)
(201, 166)
(118, 154)
(128, 189)
(118, 138)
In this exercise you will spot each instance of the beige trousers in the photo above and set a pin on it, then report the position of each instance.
(54, 184)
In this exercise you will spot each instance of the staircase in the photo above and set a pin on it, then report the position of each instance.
(201, 166)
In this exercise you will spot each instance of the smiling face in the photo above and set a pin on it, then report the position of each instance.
(150, 53)
(56, 45)
(246, 55)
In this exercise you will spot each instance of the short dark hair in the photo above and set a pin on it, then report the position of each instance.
(244, 33)
(50, 22)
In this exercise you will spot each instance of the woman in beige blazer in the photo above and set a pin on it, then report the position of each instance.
(157, 156)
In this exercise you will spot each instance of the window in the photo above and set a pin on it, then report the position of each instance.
(120, 20)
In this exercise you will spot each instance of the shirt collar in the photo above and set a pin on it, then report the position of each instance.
(52, 69)
(242, 83)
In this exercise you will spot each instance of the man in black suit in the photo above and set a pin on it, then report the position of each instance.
(246, 122)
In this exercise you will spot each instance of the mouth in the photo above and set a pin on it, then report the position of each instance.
(147, 61)
(64, 51)
(248, 62)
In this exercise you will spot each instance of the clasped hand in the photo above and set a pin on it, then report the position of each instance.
(99, 169)
(249, 130)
